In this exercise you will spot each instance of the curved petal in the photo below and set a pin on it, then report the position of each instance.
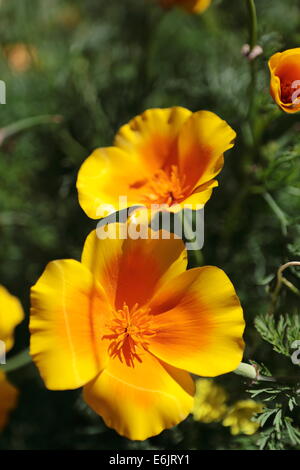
(107, 174)
(67, 317)
(202, 141)
(8, 399)
(131, 270)
(199, 196)
(11, 314)
(152, 136)
(199, 323)
(141, 401)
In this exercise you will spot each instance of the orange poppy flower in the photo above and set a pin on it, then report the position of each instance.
(166, 157)
(285, 79)
(129, 323)
(192, 6)
(8, 399)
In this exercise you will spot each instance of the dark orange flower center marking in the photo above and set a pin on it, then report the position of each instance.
(165, 187)
(129, 334)
(288, 89)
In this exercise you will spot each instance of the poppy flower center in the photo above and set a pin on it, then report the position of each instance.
(165, 187)
(288, 91)
(129, 333)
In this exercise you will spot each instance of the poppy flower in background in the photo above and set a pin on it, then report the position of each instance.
(129, 323)
(8, 399)
(192, 6)
(240, 417)
(285, 79)
(209, 402)
(165, 157)
(11, 314)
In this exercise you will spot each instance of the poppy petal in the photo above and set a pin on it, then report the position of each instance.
(11, 314)
(152, 136)
(67, 318)
(107, 174)
(141, 401)
(199, 323)
(203, 139)
(131, 270)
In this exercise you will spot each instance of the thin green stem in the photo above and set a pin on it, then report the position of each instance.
(253, 28)
(27, 123)
(20, 360)
(282, 280)
(253, 24)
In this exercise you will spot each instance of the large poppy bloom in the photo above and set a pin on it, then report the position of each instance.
(166, 157)
(192, 6)
(128, 323)
(285, 79)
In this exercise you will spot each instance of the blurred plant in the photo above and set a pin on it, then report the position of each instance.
(239, 417)
(20, 56)
(209, 401)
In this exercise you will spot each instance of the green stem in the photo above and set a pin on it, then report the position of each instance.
(195, 256)
(253, 24)
(282, 280)
(20, 360)
(27, 123)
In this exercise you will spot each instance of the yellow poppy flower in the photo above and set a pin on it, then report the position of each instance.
(129, 323)
(11, 314)
(285, 79)
(164, 157)
(239, 417)
(192, 6)
(210, 401)
(8, 399)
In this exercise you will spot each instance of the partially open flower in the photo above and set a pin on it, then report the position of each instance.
(285, 79)
(240, 417)
(192, 6)
(129, 323)
(164, 157)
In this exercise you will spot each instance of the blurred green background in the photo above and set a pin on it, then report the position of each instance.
(85, 68)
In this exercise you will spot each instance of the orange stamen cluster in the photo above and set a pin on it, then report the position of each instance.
(130, 331)
(165, 187)
(287, 91)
